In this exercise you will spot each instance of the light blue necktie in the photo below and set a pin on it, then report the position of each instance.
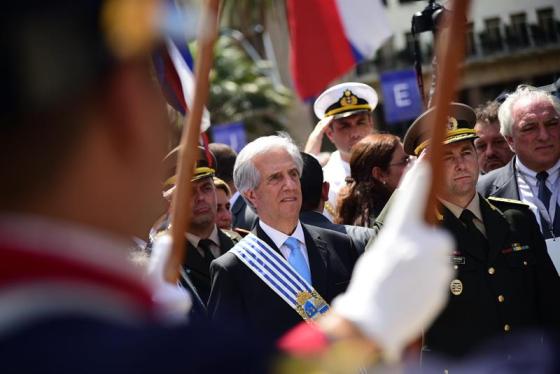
(297, 260)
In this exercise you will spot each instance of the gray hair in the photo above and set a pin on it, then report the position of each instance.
(505, 113)
(245, 175)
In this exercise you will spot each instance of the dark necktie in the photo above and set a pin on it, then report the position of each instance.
(544, 195)
(204, 245)
(478, 239)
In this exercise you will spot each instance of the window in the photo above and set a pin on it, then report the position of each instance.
(547, 26)
(517, 32)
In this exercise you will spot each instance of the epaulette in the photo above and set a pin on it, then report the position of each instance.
(234, 236)
(517, 203)
(242, 232)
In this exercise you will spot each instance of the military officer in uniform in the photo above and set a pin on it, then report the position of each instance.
(345, 113)
(205, 241)
(505, 279)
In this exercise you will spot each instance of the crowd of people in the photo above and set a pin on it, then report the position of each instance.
(292, 262)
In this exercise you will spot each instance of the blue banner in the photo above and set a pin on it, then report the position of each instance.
(401, 97)
(232, 134)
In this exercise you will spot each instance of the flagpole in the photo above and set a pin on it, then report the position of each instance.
(181, 212)
(450, 54)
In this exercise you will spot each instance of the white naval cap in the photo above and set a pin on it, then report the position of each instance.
(345, 99)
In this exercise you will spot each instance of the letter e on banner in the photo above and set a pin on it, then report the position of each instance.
(401, 99)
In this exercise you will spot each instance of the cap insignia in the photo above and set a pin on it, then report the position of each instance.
(452, 124)
(348, 99)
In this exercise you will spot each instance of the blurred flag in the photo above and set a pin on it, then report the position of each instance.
(329, 37)
(175, 72)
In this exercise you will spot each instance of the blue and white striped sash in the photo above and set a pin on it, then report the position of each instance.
(278, 274)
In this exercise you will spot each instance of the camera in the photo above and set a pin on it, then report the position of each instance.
(429, 18)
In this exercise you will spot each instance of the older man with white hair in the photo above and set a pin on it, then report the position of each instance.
(285, 271)
(530, 122)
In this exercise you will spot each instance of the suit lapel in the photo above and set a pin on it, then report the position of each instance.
(496, 228)
(505, 184)
(225, 242)
(237, 205)
(317, 253)
(463, 239)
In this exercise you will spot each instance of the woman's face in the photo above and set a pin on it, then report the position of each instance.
(396, 168)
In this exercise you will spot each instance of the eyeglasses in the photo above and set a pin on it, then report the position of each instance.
(404, 162)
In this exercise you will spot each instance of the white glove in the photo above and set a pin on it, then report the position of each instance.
(172, 300)
(400, 284)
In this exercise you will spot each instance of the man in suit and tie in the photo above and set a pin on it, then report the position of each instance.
(267, 174)
(530, 122)
(505, 279)
(205, 241)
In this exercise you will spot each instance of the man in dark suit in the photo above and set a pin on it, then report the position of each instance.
(530, 122)
(505, 279)
(315, 192)
(267, 173)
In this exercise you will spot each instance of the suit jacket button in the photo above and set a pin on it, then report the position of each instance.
(491, 271)
(507, 327)
(501, 298)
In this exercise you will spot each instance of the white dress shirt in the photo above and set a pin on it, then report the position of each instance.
(279, 238)
(335, 172)
(528, 190)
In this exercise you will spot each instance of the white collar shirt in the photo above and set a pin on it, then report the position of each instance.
(335, 172)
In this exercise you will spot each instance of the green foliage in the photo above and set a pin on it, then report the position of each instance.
(241, 91)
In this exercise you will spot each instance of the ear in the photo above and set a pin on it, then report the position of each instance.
(509, 140)
(325, 191)
(378, 173)
(329, 131)
(251, 197)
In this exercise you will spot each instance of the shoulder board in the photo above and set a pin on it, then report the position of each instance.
(517, 203)
(241, 232)
(232, 235)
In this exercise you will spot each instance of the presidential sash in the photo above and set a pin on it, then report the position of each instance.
(277, 273)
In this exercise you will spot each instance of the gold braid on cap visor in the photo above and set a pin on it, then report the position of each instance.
(450, 134)
(347, 108)
(197, 171)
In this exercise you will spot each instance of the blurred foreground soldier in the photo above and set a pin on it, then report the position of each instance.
(530, 122)
(345, 114)
(505, 281)
(492, 148)
(82, 139)
(314, 193)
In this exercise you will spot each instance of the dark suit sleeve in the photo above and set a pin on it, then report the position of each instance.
(225, 302)
(547, 279)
